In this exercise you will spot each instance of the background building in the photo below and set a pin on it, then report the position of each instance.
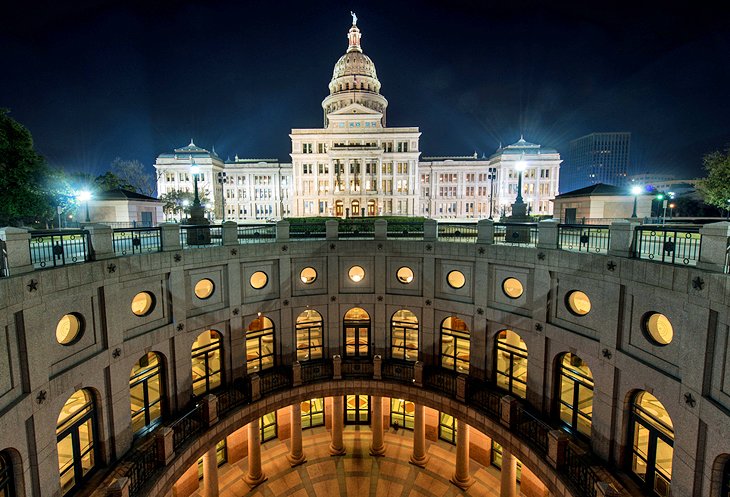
(597, 158)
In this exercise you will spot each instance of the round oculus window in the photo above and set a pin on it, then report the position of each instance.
(308, 275)
(404, 275)
(455, 279)
(258, 280)
(143, 303)
(69, 328)
(204, 288)
(578, 303)
(512, 287)
(658, 328)
(356, 274)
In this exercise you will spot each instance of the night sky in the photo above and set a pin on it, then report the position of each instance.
(105, 79)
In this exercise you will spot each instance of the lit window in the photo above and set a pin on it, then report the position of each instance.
(652, 444)
(76, 441)
(309, 335)
(268, 427)
(447, 428)
(69, 328)
(576, 394)
(260, 344)
(455, 345)
(402, 413)
(405, 275)
(578, 303)
(308, 275)
(312, 413)
(258, 280)
(404, 336)
(206, 362)
(658, 328)
(356, 274)
(204, 288)
(356, 326)
(511, 361)
(512, 288)
(456, 279)
(143, 303)
(145, 387)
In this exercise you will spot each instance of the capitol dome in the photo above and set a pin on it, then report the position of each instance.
(354, 63)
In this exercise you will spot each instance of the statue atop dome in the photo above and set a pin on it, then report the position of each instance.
(354, 18)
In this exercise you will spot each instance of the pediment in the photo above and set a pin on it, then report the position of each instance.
(355, 109)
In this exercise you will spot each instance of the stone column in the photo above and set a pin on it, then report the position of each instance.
(17, 241)
(255, 475)
(102, 244)
(462, 478)
(337, 447)
(377, 448)
(547, 234)
(170, 237)
(210, 473)
(713, 254)
(296, 455)
(419, 456)
(485, 231)
(508, 478)
(229, 229)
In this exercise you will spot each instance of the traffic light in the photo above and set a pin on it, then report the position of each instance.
(660, 196)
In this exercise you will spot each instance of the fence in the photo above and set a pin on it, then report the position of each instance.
(136, 240)
(578, 471)
(308, 230)
(201, 236)
(457, 232)
(534, 431)
(313, 371)
(671, 245)
(252, 233)
(356, 229)
(186, 427)
(142, 466)
(405, 229)
(522, 234)
(484, 399)
(584, 238)
(58, 248)
(441, 380)
(275, 379)
(398, 371)
(357, 368)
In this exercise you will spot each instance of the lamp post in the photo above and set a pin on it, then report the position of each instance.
(635, 191)
(492, 175)
(85, 196)
(519, 208)
(222, 182)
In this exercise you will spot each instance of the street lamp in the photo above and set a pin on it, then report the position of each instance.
(85, 196)
(492, 175)
(222, 182)
(520, 167)
(636, 191)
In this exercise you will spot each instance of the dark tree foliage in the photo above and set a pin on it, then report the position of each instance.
(716, 187)
(23, 176)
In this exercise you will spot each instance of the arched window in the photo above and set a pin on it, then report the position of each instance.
(455, 345)
(76, 440)
(260, 344)
(355, 208)
(404, 336)
(652, 446)
(206, 359)
(7, 487)
(145, 391)
(725, 492)
(511, 370)
(309, 335)
(357, 333)
(576, 394)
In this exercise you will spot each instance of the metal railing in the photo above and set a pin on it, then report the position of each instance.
(143, 464)
(579, 473)
(356, 229)
(201, 236)
(275, 379)
(671, 245)
(319, 370)
(308, 230)
(398, 370)
(126, 241)
(58, 248)
(405, 230)
(252, 233)
(186, 427)
(522, 234)
(584, 238)
(457, 232)
(354, 368)
(231, 398)
(484, 399)
(533, 430)
(441, 380)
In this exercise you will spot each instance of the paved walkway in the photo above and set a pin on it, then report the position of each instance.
(356, 474)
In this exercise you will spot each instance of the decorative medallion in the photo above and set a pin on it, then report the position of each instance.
(116, 353)
(41, 397)
(606, 353)
(178, 257)
(690, 400)
(234, 251)
(33, 285)
(111, 268)
(698, 283)
(538, 326)
(284, 248)
(180, 327)
(611, 266)
(333, 299)
(481, 250)
(541, 256)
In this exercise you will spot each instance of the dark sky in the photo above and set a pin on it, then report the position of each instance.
(97, 80)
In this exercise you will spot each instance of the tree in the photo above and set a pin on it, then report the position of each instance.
(133, 173)
(23, 175)
(110, 181)
(177, 202)
(716, 187)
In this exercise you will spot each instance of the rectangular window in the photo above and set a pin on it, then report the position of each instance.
(401, 413)
(221, 457)
(497, 459)
(447, 428)
(312, 413)
(306, 148)
(267, 425)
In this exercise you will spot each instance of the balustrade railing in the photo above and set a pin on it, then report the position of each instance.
(354, 368)
(201, 236)
(532, 429)
(275, 379)
(143, 464)
(186, 427)
(584, 238)
(576, 467)
(129, 241)
(253, 233)
(457, 232)
(58, 248)
(231, 398)
(521, 234)
(398, 370)
(484, 399)
(308, 230)
(319, 370)
(356, 229)
(673, 245)
(441, 380)
(405, 230)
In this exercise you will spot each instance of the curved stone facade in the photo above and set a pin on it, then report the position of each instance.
(690, 375)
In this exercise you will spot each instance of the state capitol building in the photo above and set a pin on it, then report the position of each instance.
(355, 165)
